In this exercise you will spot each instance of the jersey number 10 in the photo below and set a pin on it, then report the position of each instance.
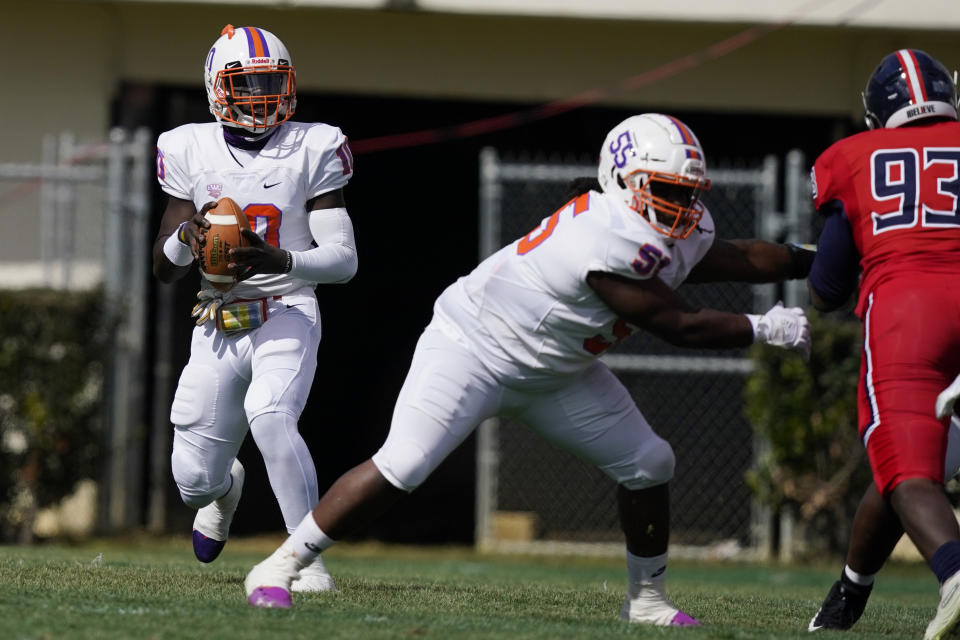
(265, 222)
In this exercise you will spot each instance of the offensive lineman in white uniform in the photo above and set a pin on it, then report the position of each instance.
(253, 353)
(521, 335)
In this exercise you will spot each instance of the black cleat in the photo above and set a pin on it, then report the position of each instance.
(842, 607)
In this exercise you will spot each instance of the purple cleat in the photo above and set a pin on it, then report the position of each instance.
(270, 598)
(683, 620)
(206, 549)
(268, 583)
(647, 604)
(211, 526)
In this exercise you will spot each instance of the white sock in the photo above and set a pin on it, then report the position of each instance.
(308, 541)
(862, 579)
(646, 569)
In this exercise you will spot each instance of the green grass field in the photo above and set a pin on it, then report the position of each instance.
(155, 589)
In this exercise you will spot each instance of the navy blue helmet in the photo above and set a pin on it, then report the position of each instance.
(906, 86)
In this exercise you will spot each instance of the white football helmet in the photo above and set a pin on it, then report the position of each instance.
(250, 79)
(656, 165)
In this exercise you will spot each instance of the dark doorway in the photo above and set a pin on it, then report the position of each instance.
(415, 214)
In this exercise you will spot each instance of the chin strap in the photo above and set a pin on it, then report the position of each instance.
(242, 139)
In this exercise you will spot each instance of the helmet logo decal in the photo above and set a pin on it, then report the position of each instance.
(256, 43)
(688, 138)
(914, 83)
(213, 50)
(922, 110)
(619, 148)
(685, 134)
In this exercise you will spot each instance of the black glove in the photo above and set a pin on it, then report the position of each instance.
(259, 257)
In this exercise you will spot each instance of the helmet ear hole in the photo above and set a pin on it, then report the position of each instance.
(620, 182)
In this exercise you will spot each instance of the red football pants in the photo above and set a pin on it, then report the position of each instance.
(911, 352)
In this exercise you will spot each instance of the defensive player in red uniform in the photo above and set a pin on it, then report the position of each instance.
(890, 199)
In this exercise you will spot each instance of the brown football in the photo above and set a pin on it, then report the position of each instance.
(226, 221)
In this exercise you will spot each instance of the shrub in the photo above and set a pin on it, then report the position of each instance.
(53, 351)
(806, 412)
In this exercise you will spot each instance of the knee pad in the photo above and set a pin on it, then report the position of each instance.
(404, 464)
(651, 466)
(268, 392)
(198, 486)
(194, 403)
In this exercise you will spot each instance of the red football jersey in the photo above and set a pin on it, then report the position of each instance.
(900, 189)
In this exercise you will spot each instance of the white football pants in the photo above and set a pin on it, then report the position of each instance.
(448, 392)
(260, 378)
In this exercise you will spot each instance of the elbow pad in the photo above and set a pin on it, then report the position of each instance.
(334, 259)
(835, 272)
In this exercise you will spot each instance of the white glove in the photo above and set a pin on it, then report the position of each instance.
(947, 398)
(210, 301)
(783, 327)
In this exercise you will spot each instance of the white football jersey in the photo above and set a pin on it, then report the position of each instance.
(300, 161)
(527, 310)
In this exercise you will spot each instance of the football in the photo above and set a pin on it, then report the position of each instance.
(226, 221)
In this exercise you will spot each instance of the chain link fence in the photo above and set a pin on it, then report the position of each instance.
(87, 204)
(533, 497)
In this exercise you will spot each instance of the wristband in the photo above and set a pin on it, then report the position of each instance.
(755, 323)
(176, 251)
(801, 259)
(288, 265)
(181, 233)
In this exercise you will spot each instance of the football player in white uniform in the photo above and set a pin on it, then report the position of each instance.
(520, 336)
(253, 353)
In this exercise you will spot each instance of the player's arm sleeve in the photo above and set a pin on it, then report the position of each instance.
(835, 270)
(172, 173)
(334, 259)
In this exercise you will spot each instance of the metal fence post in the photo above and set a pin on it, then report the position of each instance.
(798, 208)
(114, 487)
(125, 285)
(486, 498)
(769, 225)
(65, 211)
(48, 209)
(138, 264)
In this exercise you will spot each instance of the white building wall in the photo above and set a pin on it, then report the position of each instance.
(78, 52)
(70, 58)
